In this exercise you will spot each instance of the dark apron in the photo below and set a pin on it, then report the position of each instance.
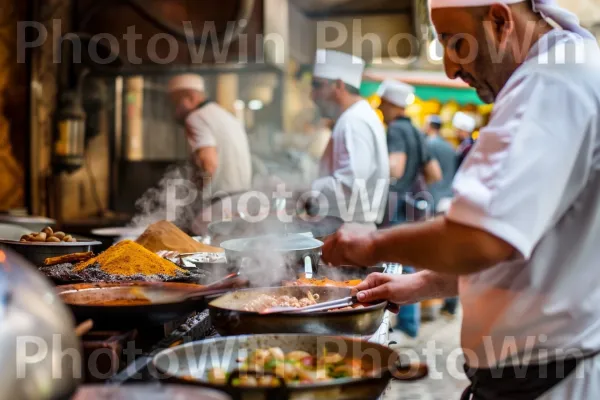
(518, 383)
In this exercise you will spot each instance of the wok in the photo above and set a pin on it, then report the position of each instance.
(191, 362)
(151, 303)
(228, 317)
(320, 227)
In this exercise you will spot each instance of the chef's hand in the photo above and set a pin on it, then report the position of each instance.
(397, 289)
(351, 245)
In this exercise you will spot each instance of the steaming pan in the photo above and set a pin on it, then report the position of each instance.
(191, 362)
(98, 301)
(228, 317)
(320, 227)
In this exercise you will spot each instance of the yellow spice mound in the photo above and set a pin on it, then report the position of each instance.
(129, 258)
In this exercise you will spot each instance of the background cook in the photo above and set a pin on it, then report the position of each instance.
(357, 152)
(218, 141)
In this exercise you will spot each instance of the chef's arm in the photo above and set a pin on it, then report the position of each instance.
(407, 289)
(207, 160)
(442, 246)
(434, 285)
(397, 165)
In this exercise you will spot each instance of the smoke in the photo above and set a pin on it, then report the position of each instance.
(175, 198)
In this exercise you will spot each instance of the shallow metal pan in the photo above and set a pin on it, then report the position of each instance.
(229, 318)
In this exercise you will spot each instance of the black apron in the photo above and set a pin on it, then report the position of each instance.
(518, 383)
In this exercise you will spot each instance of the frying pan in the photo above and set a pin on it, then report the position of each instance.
(190, 363)
(163, 302)
(320, 227)
(228, 317)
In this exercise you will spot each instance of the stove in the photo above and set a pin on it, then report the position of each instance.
(196, 327)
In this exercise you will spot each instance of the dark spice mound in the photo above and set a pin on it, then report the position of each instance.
(93, 273)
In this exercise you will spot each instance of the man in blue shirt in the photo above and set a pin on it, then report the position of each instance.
(445, 155)
(409, 158)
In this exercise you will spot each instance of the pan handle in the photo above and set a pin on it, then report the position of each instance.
(314, 262)
(280, 392)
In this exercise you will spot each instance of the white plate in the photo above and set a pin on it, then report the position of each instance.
(118, 231)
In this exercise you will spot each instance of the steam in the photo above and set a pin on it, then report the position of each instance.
(261, 265)
(154, 205)
(264, 267)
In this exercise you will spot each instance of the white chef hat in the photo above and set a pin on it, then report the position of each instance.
(397, 93)
(433, 119)
(547, 8)
(464, 122)
(186, 82)
(334, 65)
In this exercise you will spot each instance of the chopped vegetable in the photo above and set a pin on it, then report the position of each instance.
(217, 376)
(297, 355)
(294, 367)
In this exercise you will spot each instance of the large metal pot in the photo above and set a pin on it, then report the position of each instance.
(36, 325)
(190, 363)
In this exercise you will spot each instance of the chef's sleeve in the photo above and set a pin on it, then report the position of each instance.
(198, 132)
(355, 157)
(515, 179)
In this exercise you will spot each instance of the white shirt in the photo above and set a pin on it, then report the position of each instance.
(355, 166)
(213, 126)
(532, 180)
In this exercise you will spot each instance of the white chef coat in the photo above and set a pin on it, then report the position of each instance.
(213, 126)
(532, 180)
(356, 161)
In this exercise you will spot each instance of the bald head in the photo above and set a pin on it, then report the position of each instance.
(485, 45)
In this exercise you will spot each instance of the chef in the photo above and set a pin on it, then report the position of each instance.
(354, 170)
(218, 141)
(464, 125)
(521, 241)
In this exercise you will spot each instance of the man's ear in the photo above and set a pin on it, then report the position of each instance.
(501, 21)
